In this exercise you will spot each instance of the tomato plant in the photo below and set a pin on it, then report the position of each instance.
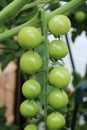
(31, 89)
(29, 37)
(26, 41)
(55, 121)
(29, 108)
(57, 49)
(59, 25)
(57, 98)
(31, 127)
(57, 75)
(30, 62)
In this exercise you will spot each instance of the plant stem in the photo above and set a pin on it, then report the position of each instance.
(33, 22)
(67, 7)
(12, 9)
(32, 4)
(70, 53)
(46, 62)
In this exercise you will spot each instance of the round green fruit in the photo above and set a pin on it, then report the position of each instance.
(59, 77)
(29, 108)
(57, 49)
(29, 37)
(80, 16)
(55, 121)
(59, 25)
(31, 89)
(57, 98)
(31, 127)
(30, 62)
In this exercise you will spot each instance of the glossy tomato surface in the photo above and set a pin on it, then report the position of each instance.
(57, 49)
(29, 37)
(30, 62)
(59, 25)
(55, 121)
(31, 89)
(57, 98)
(59, 77)
(29, 108)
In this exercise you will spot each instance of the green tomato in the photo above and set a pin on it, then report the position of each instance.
(31, 127)
(57, 49)
(59, 77)
(57, 99)
(31, 89)
(29, 108)
(59, 25)
(55, 121)
(29, 37)
(80, 16)
(30, 62)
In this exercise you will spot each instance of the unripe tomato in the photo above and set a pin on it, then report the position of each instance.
(55, 121)
(31, 127)
(59, 77)
(29, 108)
(30, 62)
(57, 49)
(80, 16)
(59, 25)
(57, 98)
(31, 89)
(29, 37)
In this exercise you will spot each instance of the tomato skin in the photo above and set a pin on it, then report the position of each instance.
(31, 127)
(59, 77)
(57, 49)
(29, 37)
(30, 62)
(29, 108)
(55, 121)
(59, 25)
(57, 98)
(31, 89)
(80, 16)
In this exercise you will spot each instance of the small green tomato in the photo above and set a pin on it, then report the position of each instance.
(59, 77)
(31, 89)
(57, 49)
(59, 25)
(29, 37)
(30, 62)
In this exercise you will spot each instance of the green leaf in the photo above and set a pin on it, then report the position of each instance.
(27, 16)
(18, 53)
(13, 127)
(10, 44)
(3, 127)
(2, 110)
(6, 60)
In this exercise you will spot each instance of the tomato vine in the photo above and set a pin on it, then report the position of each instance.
(46, 60)
(68, 6)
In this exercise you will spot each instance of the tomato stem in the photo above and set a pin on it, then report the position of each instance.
(12, 9)
(32, 4)
(46, 60)
(33, 22)
(67, 7)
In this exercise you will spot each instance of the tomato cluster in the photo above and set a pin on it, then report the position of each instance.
(30, 63)
(59, 77)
